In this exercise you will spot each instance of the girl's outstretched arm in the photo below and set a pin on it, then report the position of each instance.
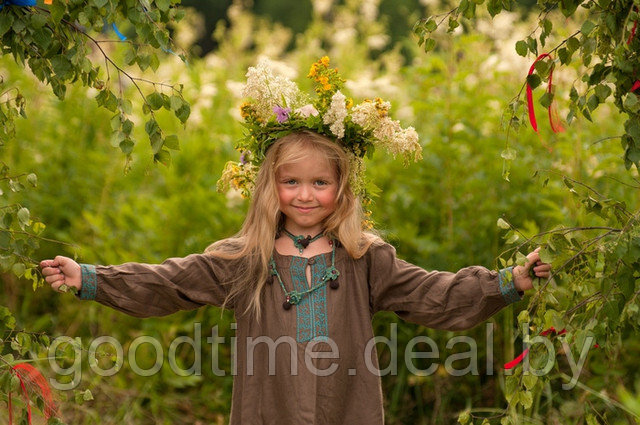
(145, 290)
(444, 300)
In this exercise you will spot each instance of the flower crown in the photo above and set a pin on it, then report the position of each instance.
(277, 107)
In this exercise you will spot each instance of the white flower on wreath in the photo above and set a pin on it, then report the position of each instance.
(365, 115)
(268, 90)
(336, 114)
(306, 111)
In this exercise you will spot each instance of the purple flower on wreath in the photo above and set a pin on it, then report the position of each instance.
(243, 159)
(282, 114)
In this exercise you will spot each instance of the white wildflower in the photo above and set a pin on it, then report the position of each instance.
(391, 136)
(189, 29)
(235, 88)
(306, 111)
(234, 198)
(378, 41)
(367, 87)
(385, 133)
(215, 62)
(269, 91)
(369, 10)
(495, 105)
(235, 113)
(458, 127)
(411, 143)
(405, 142)
(322, 7)
(344, 36)
(195, 116)
(336, 114)
(208, 90)
(280, 67)
(361, 87)
(365, 115)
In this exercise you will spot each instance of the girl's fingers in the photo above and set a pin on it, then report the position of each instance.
(533, 257)
(48, 271)
(49, 263)
(543, 270)
(56, 286)
(54, 278)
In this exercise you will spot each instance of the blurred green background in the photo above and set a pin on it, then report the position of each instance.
(440, 213)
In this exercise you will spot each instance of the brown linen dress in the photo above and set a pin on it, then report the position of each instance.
(315, 363)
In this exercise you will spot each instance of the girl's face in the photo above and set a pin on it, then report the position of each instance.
(307, 192)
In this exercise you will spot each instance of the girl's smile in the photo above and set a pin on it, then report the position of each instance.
(304, 209)
(307, 193)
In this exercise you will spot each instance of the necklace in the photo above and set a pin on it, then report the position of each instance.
(301, 242)
(294, 297)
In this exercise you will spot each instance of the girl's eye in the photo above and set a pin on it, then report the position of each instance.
(321, 182)
(291, 181)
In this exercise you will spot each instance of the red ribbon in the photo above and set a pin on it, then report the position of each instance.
(636, 85)
(513, 363)
(633, 32)
(28, 374)
(554, 119)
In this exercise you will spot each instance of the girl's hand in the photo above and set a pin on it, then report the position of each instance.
(521, 277)
(62, 271)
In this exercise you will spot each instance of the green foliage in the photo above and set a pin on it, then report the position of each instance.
(605, 44)
(592, 293)
(57, 44)
(451, 210)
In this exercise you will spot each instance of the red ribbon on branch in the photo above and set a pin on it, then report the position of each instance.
(633, 32)
(636, 85)
(30, 376)
(554, 119)
(513, 363)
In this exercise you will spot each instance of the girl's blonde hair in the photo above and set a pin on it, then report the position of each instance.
(254, 243)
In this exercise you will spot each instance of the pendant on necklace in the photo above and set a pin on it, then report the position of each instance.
(301, 242)
(287, 303)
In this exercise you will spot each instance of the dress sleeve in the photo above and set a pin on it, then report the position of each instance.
(440, 300)
(146, 290)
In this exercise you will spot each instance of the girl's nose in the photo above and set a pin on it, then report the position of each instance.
(305, 193)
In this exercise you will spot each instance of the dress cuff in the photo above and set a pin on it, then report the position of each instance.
(507, 287)
(89, 282)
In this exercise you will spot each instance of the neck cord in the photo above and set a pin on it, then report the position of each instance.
(301, 242)
(294, 297)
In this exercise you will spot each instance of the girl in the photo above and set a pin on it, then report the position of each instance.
(304, 281)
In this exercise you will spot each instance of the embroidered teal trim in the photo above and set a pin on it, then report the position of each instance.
(89, 282)
(507, 287)
(311, 310)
